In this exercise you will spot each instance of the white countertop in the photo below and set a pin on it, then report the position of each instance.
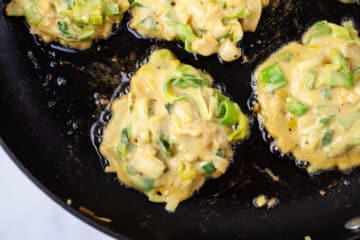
(27, 213)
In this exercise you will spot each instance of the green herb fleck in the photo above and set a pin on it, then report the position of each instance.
(164, 146)
(69, 3)
(168, 107)
(209, 168)
(296, 107)
(189, 80)
(131, 169)
(220, 153)
(148, 184)
(224, 36)
(125, 136)
(326, 120)
(327, 138)
(326, 93)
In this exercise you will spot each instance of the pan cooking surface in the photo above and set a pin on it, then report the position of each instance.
(51, 97)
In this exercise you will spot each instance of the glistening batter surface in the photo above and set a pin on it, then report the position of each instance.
(73, 23)
(171, 131)
(205, 27)
(309, 96)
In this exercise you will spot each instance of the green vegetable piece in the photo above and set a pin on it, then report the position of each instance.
(141, 183)
(114, 9)
(62, 14)
(88, 12)
(32, 13)
(168, 107)
(339, 61)
(134, 3)
(125, 136)
(87, 35)
(296, 107)
(220, 153)
(272, 77)
(164, 146)
(326, 93)
(69, 3)
(96, 19)
(327, 138)
(185, 32)
(311, 79)
(201, 103)
(342, 76)
(148, 184)
(243, 13)
(72, 31)
(241, 130)
(340, 79)
(228, 113)
(106, 9)
(326, 120)
(200, 31)
(209, 168)
(131, 169)
(185, 80)
(189, 81)
(169, 93)
(149, 23)
(63, 28)
(185, 68)
(122, 151)
(224, 36)
(319, 29)
(220, 97)
(131, 108)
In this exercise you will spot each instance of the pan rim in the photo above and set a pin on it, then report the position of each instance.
(76, 213)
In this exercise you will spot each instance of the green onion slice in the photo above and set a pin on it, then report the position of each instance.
(272, 78)
(209, 168)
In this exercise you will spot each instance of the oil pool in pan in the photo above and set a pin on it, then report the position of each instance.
(81, 33)
(340, 55)
(150, 138)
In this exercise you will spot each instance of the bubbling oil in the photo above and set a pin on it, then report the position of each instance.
(123, 88)
(97, 128)
(273, 148)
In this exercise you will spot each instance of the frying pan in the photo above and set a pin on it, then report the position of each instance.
(50, 98)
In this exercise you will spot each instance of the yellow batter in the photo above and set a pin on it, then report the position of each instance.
(205, 27)
(73, 23)
(309, 96)
(171, 131)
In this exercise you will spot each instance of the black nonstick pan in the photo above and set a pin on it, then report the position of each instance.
(51, 97)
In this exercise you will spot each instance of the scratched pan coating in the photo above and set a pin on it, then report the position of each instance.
(50, 98)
